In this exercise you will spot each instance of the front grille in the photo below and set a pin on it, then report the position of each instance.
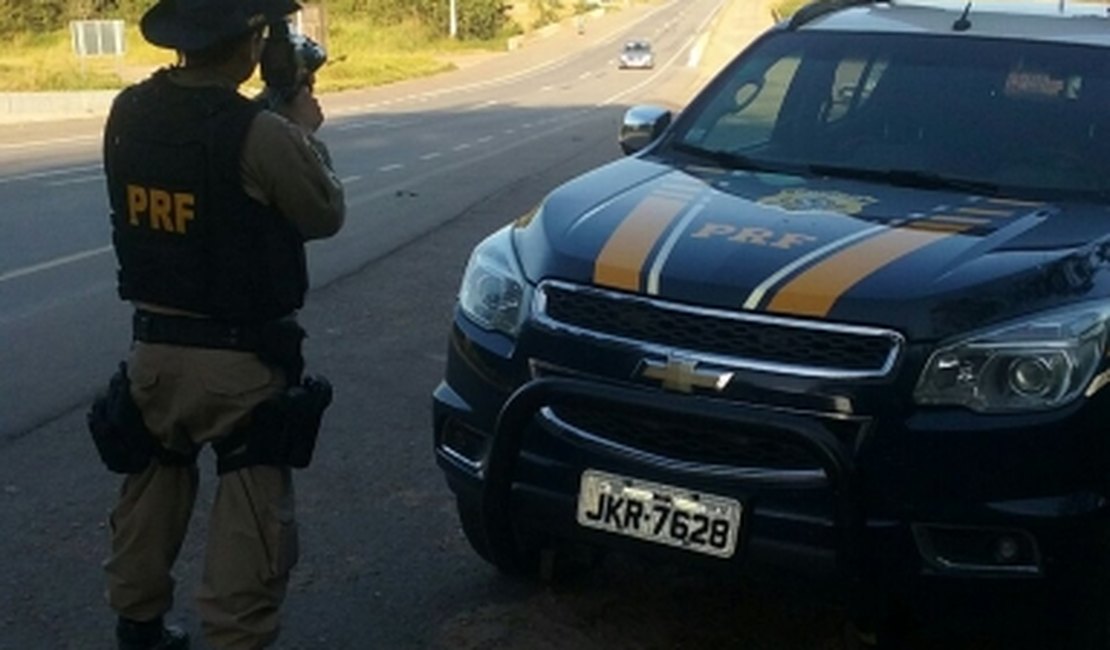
(693, 440)
(750, 340)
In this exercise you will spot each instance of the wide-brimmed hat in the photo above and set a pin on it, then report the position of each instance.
(192, 25)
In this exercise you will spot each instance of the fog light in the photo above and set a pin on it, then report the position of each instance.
(1006, 550)
(975, 550)
(464, 443)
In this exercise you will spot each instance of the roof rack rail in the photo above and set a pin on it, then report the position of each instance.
(821, 7)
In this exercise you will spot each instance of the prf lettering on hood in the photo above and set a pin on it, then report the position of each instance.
(753, 236)
(160, 209)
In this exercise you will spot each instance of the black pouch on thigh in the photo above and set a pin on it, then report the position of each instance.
(124, 443)
(281, 431)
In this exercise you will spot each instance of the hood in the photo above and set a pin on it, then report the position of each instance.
(928, 263)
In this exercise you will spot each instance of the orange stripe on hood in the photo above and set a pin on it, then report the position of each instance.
(814, 291)
(621, 261)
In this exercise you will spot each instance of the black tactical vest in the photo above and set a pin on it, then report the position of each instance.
(186, 235)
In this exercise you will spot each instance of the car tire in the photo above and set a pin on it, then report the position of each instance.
(512, 553)
(530, 556)
(891, 635)
(879, 621)
(1090, 628)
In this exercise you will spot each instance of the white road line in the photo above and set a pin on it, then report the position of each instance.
(362, 125)
(431, 156)
(670, 62)
(13, 146)
(77, 181)
(49, 174)
(54, 263)
(390, 168)
(378, 126)
(510, 131)
(571, 119)
(543, 67)
(484, 139)
(350, 179)
(697, 51)
(462, 147)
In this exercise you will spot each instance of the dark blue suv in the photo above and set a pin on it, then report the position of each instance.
(845, 316)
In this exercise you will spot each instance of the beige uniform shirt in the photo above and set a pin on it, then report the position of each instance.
(285, 167)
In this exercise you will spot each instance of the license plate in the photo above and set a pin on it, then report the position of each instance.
(658, 513)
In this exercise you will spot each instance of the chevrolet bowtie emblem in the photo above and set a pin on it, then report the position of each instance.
(683, 375)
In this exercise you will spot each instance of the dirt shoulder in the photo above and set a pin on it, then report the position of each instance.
(738, 24)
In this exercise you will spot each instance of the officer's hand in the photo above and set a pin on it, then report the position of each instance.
(304, 110)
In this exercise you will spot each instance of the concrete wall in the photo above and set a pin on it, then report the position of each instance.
(45, 106)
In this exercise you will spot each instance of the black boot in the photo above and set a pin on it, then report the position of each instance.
(150, 635)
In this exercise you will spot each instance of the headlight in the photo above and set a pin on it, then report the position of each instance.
(494, 293)
(1038, 363)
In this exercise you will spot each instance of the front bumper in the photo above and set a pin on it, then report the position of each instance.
(910, 502)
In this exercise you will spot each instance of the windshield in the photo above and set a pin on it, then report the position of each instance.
(989, 114)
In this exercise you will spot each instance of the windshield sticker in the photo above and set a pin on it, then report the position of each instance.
(805, 200)
(1030, 84)
(779, 180)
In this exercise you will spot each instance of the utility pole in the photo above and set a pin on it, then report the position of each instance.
(454, 19)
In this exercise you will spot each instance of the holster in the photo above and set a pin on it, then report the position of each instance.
(281, 431)
(124, 443)
(280, 345)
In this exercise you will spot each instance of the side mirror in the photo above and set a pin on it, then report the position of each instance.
(642, 125)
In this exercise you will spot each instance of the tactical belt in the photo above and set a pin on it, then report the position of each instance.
(150, 327)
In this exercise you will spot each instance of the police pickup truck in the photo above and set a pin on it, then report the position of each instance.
(845, 316)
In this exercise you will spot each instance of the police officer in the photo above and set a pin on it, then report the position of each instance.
(213, 196)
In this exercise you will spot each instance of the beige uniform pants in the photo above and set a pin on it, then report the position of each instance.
(188, 397)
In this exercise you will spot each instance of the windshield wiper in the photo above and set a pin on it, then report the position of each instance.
(730, 160)
(908, 178)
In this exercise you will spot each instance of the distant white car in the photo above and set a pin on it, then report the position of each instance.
(637, 54)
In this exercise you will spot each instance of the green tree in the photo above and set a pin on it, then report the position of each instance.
(478, 19)
(482, 19)
(31, 15)
(548, 11)
(131, 10)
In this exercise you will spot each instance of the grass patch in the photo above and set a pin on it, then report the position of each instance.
(36, 62)
(359, 55)
(786, 8)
